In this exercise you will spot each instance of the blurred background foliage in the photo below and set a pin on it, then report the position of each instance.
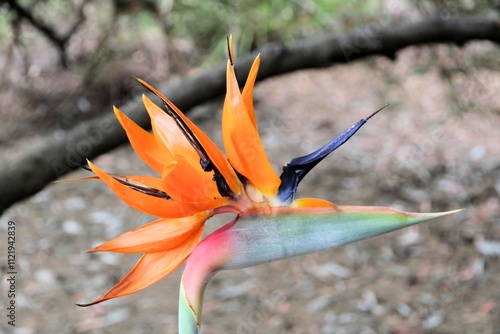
(63, 61)
(201, 26)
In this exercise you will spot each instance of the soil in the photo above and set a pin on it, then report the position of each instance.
(422, 153)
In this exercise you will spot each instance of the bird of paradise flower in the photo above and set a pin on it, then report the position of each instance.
(196, 181)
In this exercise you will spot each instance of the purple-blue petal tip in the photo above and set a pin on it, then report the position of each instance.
(295, 170)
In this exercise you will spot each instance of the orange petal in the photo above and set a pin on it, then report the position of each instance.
(158, 236)
(208, 145)
(187, 185)
(242, 142)
(312, 203)
(143, 143)
(169, 134)
(151, 268)
(149, 204)
(247, 93)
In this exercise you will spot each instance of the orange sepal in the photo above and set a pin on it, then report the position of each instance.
(140, 180)
(242, 142)
(247, 93)
(148, 181)
(149, 204)
(190, 186)
(211, 149)
(151, 268)
(157, 236)
(143, 143)
(312, 203)
(168, 133)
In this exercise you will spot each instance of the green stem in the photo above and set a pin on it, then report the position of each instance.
(205, 260)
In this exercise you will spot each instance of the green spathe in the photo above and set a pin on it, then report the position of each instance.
(266, 238)
(253, 239)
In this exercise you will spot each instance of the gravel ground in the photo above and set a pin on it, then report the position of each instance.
(417, 155)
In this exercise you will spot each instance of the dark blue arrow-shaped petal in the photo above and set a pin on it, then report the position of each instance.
(295, 170)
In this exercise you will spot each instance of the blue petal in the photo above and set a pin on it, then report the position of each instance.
(295, 170)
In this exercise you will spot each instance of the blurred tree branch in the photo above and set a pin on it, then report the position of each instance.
(60, 41)
(28, 175)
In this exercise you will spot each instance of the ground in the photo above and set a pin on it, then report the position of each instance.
(419, 154)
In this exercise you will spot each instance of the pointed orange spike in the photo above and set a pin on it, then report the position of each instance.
(140, 182)
(247, 93)
(230, 49)
(157, 236)
(148, 185)
(151, 268)
(92, 177)
(312, 203)
(143, 143)
(187, 185)
(242, 141)
(215, 155)
(168, 133)
(155, 206)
